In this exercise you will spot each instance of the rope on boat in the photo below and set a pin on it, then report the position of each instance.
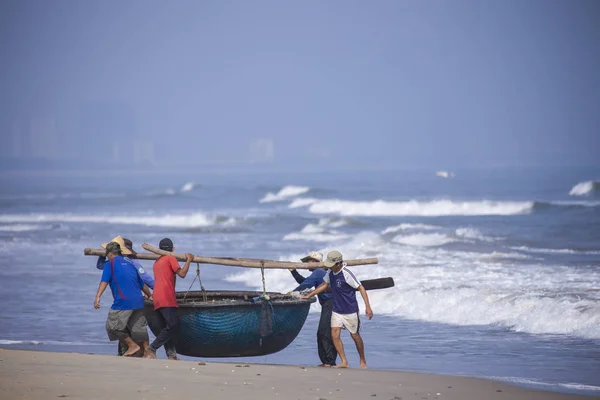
(200, 282)
(262, 272)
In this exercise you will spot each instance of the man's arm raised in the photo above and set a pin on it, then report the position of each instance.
(182, 272)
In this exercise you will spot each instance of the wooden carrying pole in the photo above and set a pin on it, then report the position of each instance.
(232, 262)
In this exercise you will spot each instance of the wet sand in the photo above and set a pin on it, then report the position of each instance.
(44, 375)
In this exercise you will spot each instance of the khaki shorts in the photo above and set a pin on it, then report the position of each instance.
(351, 322)
(127, 323)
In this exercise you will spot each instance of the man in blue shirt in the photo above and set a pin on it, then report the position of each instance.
(126, 321)
(327, 352)
(126, 249)
(146, 277)
(344, 284)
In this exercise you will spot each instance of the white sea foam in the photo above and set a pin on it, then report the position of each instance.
(188, 187)
(465, 288)
(444, 174)
(407, 227)
(302, 202)
(578, 386)
(285, 193)
(536, 382)
(5, 342)
(580, 203)
(424, 239)
(472, 233)
(21, 227)
(322, 231)
(192, 220)
(584, 188)
(46, 342)
(554, 251)
(315, 236)
(413, 207)
(501, 255)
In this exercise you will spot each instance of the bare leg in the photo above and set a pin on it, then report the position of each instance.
(360, 346)
(132, 347)
(339, 346)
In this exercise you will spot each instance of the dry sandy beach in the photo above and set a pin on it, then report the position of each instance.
(42, 375)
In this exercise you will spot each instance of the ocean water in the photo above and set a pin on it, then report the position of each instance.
(494, 268)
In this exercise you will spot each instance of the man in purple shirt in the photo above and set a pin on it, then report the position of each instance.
(325, 346)
(343, 285)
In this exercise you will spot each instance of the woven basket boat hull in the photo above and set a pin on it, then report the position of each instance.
(228, 323)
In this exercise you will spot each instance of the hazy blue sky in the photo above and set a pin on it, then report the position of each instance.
(376, 83)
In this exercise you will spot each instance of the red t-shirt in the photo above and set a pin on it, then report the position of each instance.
(164, 282)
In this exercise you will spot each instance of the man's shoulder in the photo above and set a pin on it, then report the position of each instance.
(128, 265)
(138, 266)
(349, 276)
(319, 273)
(133, 261)
(124, 260)
(165, 260)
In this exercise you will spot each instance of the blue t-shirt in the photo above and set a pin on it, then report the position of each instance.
(343, 288)
(125, 284)
(146, 277)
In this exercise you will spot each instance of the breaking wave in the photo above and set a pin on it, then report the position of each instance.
(193, 220)
(188, 187)
(585, 188)
(554, 251)
(22, 228)
(424, 240)
(407, 227)
(322, 231)
(433, 208)
(285, 193)
(472, 233)
(439, 285)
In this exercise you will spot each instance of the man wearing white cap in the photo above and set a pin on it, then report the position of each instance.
(344, 285)
(325, 346)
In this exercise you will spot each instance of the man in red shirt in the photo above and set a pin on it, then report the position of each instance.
(165, 302)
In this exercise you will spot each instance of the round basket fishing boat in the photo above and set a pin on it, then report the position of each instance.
(233, 323)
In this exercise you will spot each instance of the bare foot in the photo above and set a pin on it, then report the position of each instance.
(134, 348)
(173, 357)
(150, 353)
(363, 365)
(324, 365)
(342, 365)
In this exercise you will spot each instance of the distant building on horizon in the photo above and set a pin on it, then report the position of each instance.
(143, 153)
(35, 136)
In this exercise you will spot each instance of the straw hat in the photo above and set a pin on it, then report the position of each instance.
(124, 250)
(315, 255)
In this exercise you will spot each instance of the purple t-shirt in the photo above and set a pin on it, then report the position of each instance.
(343, 286)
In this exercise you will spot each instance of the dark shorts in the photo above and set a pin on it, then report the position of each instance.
(123, 323)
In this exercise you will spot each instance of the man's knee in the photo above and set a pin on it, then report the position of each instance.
(356, 336)
(335, 333)
(174, 325)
